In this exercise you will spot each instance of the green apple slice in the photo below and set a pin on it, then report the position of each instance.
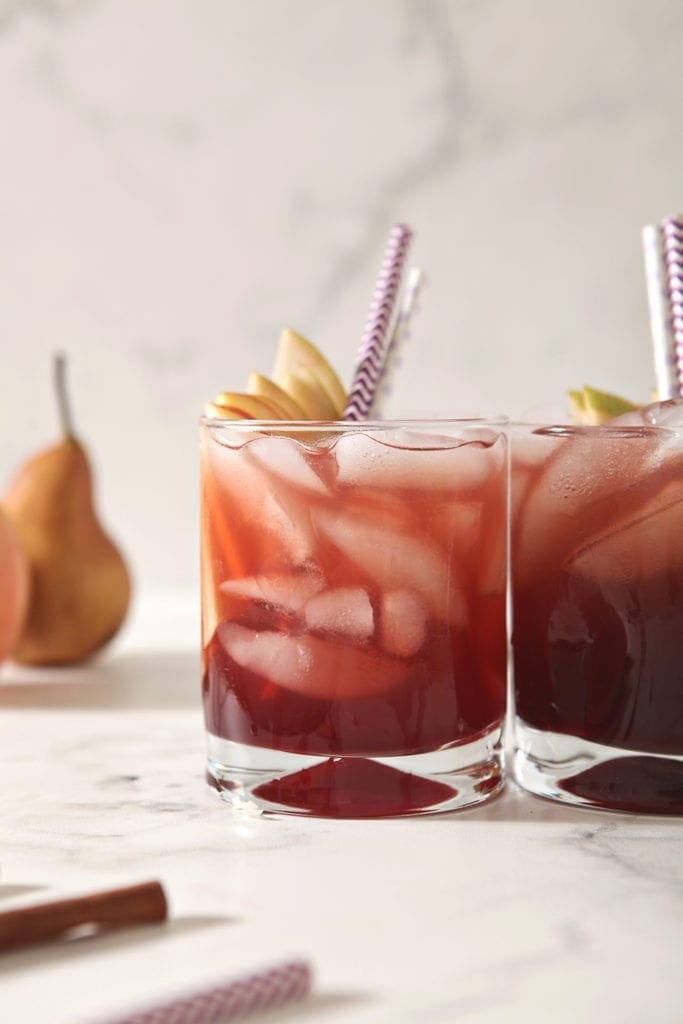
(593, 407)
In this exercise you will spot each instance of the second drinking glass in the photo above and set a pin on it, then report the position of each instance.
(597, 609)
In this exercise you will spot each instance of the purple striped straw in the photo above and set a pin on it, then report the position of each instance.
(399, 337)
(672, 255)
(375, 341)
(284, 983)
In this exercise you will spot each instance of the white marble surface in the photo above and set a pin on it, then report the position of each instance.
(521, 911)
(180, 178)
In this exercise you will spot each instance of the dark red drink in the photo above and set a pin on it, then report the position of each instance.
(597, 550)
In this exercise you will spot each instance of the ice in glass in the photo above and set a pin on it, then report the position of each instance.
(597, 610)
(354, 646)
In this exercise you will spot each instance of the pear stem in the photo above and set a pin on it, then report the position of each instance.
(63, 403)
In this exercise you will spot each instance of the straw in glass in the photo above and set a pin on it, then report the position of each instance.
(672, 248)
(284, 983)
(664, 277)
(401, 334)
(376, 334)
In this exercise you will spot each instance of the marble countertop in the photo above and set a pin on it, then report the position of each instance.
(518, 911)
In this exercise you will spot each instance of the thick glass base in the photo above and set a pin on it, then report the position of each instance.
(258, 779)
(576, 771)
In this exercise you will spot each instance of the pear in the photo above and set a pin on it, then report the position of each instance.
(14, 587)
(80, 586)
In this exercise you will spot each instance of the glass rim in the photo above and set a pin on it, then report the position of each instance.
(603, 431)
(336, 426)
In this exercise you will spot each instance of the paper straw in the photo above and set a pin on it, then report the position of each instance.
(98, 911)
(284, 983)
(375, 336)
(401, 334)
(661, 325)
(672, 249)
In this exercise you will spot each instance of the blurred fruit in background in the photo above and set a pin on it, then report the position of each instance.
(14, 587)
(80, 586)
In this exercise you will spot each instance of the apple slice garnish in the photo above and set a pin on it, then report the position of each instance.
(305, 387)
(309, 394)
(220, 412)
(593, 407)
(296, 353)
(231, 405)
(269, 391)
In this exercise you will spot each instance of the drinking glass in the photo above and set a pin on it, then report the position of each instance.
(353, 606)
(597, 613)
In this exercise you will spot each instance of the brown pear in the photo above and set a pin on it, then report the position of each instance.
(80, 586)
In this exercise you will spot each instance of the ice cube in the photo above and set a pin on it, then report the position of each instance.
(365, 460)
(287, 592)
(255, 508)
(657, 414)
(345, 612)
(458, 527)
(310, 665)
(645, 543)
(592, 470)
(292, 529)
(395, 559)
(227, 511)
(278, 657)
(457, 523)
(284, 458)
(635, 418)
(403, 616)
(276, 508)
(665, 414)
(232, 473)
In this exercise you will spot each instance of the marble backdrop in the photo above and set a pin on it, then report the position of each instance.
(179, 179)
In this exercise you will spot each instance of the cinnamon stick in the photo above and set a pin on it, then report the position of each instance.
(100, 911)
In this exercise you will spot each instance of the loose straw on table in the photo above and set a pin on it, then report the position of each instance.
(285, 983)
(376, 334)
(401, 334)
(96, 912)
(663, 250)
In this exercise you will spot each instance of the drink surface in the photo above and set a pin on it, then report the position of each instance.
(597, 575)
(353, 589)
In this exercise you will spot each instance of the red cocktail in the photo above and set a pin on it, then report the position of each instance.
(354, 614)
(597, 577)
